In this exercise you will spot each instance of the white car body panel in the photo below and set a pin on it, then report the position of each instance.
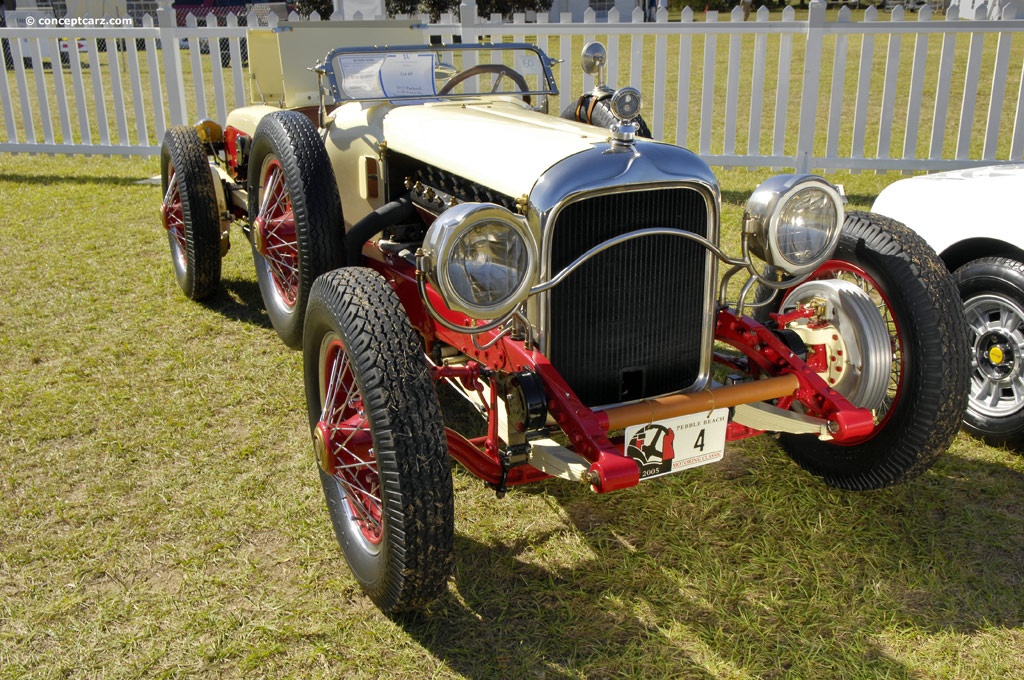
(948, 207)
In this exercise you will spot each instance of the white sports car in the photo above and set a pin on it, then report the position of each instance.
(970, 218)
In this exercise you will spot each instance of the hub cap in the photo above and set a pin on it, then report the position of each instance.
(852, 351)
(997, 335)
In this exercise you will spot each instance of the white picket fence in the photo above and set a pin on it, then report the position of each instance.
(890, 92)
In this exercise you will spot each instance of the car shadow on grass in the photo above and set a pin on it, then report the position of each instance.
(730, 571)
(240, 300)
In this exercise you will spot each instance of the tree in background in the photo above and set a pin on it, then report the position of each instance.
(484, 7)
(306, 7)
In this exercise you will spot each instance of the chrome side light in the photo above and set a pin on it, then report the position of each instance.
(482, 258)
(793, 222)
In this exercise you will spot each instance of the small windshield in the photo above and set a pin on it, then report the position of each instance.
(427, 72)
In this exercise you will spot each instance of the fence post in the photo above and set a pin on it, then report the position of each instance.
(468, 23)
(168, 21)
(812, 76)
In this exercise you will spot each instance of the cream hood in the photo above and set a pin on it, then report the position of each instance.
(498, 144)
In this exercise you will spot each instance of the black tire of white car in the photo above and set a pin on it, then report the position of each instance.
(391, 497)
(928, 384)
(599, 113)
(289, 159)
(992, 290)
(190, 208)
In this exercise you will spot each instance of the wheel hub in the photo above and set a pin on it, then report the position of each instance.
(322, 446)
(997, 381)
(259, 239)
(847, 339)
(164, 210)
(997, 359)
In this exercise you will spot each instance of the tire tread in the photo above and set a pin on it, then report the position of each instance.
(182, 148)
(935, 361)
(407, 430)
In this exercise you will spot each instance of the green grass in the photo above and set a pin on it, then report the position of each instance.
(160, 514)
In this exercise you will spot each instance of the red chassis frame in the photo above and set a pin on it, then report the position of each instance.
(784, 376)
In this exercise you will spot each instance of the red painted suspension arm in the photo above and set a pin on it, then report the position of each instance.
(764, 349)
(609, 469)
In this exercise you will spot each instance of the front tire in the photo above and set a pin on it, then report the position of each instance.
(920, 412)
(189, 212)
(377, 428)
(992, 291)
(297, 227)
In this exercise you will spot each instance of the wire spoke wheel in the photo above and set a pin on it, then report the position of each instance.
(379, 439)
(274, 231)
(174, 219)
(345, 444)
(917, 415)
(297, 227)
(189, 212)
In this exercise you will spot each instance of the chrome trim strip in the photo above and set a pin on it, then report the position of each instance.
(639, 233)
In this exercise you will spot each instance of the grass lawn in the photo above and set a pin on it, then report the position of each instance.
(160, 514)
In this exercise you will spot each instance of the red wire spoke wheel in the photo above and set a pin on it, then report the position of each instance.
(274, 234)
(297, 231)
(173, 218)
(189, 212)
(376, 426)
(344, 443)
(919, 414)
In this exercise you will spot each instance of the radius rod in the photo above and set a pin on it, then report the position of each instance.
(650, 410)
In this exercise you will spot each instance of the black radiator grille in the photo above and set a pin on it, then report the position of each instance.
(628, 324)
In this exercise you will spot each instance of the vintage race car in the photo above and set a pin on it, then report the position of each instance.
(970, 218)
(426, 221)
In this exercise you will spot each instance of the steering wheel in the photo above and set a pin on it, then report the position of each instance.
(500, 69)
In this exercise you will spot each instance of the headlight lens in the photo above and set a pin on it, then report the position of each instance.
(806, 222)
(482, 259)
(794, 222)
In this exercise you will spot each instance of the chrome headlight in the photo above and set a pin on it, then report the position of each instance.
(482, 259)
(793, 222)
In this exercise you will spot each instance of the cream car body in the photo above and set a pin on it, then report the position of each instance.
(416, 217)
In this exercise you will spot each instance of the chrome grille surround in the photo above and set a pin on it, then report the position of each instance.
(654, 176)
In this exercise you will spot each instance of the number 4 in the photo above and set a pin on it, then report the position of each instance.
(699, 444)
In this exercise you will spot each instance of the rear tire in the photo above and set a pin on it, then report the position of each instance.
(381, 448)
(189, 212)
(992, 290)
(920, 414)
(297, 226)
